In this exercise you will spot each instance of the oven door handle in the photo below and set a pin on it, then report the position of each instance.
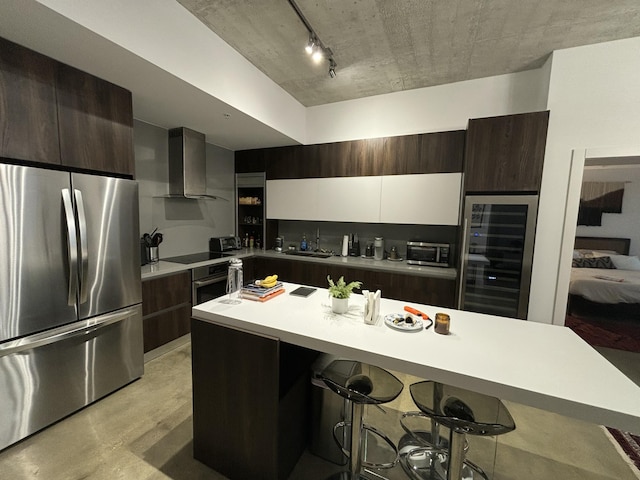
(204, 283)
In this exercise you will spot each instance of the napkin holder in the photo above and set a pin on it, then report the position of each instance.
(371, 306)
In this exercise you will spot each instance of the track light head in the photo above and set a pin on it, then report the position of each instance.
(310, 45)
(317, 54)
(332, 68)
(315, 47)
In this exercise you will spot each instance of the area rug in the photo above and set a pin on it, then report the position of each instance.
(629, 443)
(609, 333)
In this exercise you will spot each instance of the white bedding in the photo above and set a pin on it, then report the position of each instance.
(584, 282)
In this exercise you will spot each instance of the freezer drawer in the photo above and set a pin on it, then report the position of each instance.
(47, 376)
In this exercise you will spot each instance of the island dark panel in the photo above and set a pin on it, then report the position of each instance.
(250, 402)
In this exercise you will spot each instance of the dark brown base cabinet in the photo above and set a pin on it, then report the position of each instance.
(166, 309)
(251, 397)
(399, 286)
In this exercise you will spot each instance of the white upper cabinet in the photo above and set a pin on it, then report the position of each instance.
(294, 199)
(349, 199)
(425, 199)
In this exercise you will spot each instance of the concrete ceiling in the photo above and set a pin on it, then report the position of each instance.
(384, 46)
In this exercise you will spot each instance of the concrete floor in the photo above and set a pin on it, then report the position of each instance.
(143, 431)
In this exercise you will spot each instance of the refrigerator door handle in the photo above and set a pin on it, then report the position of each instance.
(84, 251)
(86, 327)
(72, 246)
(463, 262)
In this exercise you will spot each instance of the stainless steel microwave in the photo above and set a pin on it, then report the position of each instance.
(428, 254)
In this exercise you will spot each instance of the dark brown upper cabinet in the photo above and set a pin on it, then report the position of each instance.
(441, 152)
(53, 113)
(249, 161)
(288, 162)
(28, 117)
(505, 154)
(96, 123)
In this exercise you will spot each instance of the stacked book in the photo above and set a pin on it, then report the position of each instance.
(251, 291)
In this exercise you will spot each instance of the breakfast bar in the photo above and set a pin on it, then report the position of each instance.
(234, 345)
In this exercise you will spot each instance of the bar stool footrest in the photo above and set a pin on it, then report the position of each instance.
(427, 463)
(375, 431)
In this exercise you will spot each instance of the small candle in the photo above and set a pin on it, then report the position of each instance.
(442, 323)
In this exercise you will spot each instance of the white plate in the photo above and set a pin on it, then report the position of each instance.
(403, 327)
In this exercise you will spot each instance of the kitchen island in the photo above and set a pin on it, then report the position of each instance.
(540, 365)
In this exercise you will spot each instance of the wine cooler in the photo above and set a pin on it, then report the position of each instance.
(497, 252)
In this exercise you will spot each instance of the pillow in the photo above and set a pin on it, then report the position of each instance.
(597, 253)
(598, 262)
(623, 262)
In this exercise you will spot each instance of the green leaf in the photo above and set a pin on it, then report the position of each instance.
(341, 289)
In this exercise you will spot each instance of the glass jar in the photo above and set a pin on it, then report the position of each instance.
(442, 324)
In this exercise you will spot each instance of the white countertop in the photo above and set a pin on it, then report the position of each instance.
(162, 268)
(540, 365)
(165, 268)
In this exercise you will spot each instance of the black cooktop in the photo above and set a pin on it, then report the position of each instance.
(197, 257)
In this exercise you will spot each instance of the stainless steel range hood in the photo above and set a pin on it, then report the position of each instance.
(187, 164)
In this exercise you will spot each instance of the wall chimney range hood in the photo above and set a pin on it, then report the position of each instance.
(187, 165)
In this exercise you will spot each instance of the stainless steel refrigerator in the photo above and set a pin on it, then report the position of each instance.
(497, 254)
(70, 294)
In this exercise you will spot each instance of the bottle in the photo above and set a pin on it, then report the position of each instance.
(258, 242)
(303, 243)
(245, 244)
(345, 245)
(251, 241)
(234, 281)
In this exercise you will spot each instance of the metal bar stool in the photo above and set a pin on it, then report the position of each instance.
(361, 384)
(464, 413)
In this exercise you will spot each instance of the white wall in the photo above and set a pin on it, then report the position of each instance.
(432, 109)
(185, 224)
(594, 99)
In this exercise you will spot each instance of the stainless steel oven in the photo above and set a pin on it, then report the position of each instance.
(208, 282)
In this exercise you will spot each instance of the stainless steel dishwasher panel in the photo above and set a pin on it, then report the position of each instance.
(47, 376)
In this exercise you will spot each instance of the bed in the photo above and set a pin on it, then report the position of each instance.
(604, 278)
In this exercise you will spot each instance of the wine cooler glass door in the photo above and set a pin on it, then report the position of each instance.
(497, 255)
